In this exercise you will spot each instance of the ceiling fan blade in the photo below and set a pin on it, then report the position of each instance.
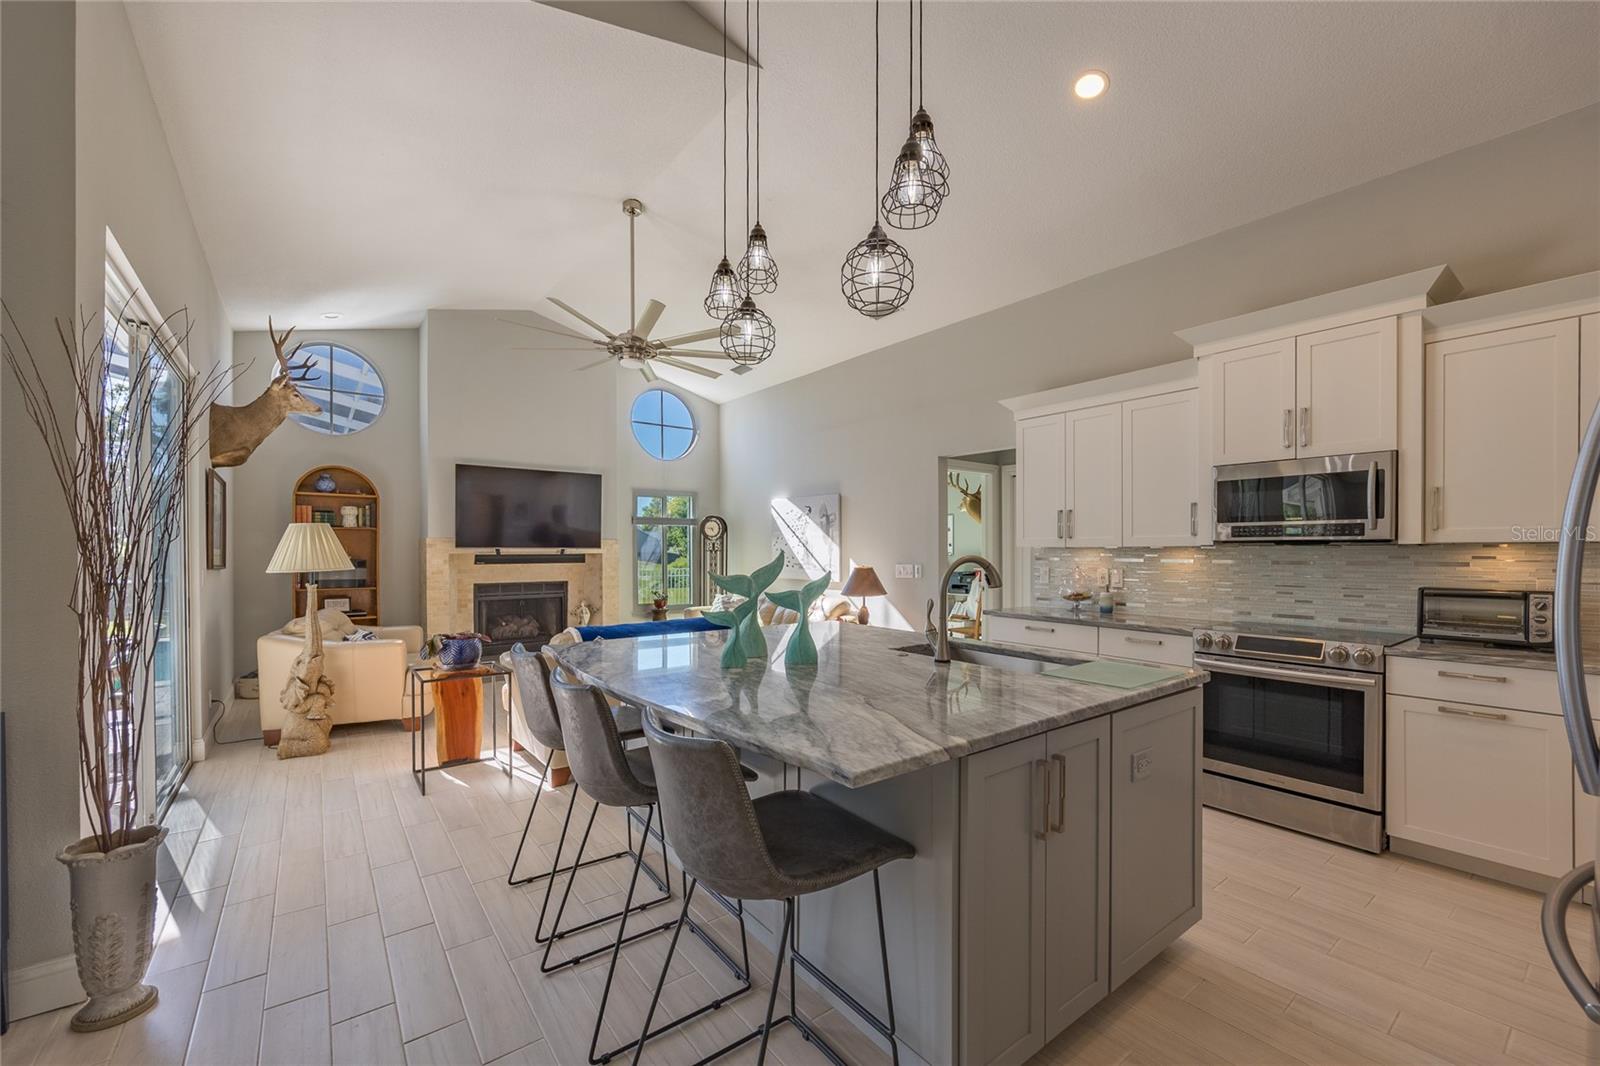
(526, 349)
(649, 375)
(597, 362)
(690, 338)
(558, 332)
(648, 320)
(585, 319)
(696, 353)
(690, 367)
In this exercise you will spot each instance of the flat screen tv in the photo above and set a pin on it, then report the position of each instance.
(507, 507)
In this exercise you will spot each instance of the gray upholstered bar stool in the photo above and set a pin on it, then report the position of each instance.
(531, 671)
(781, 846)
(619, 777)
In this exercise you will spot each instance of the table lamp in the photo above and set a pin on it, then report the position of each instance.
(309, 547)
(863, 582)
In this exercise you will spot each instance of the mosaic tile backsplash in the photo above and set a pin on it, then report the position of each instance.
(1357, 584)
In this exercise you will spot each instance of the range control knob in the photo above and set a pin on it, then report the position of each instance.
(1202, 641)
(1338, 653)
(1224, 642)
(1364, 657)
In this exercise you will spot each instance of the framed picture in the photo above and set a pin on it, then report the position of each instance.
(806, 530)
(216, 521)
(338, 603)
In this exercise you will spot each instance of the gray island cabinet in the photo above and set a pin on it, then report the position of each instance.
(1057, 824)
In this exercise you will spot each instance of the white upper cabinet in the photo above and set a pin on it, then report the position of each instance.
(1502, 431)
(1094, 476)
(1252, 402)
(1162, 503)
(1042, 481)
(1346, 389)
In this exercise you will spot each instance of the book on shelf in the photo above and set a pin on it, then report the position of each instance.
(302, 512)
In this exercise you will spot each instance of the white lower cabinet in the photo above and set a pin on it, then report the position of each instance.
(1492, 783)
(1071, 637)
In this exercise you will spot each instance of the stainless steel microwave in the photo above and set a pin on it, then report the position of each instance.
(1488, 616)
(1327, 498)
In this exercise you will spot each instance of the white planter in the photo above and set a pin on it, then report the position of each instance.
(113, 925)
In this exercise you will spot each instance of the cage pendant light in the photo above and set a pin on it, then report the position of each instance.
(724, 295)
(877, 275)
(748, 336)
(920, 180)
(758, 271)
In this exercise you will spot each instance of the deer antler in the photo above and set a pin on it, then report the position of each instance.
(294, 371)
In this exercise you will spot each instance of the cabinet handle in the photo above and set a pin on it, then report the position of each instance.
(1288, 427)
(1473, 677)
(1069, 523)
(1042, 773)
(1305, 426)
(1061, 532)
(1060, 825)
(1040, 629)
(1144, 640)
(1437, 492)
(1496, 716)
(1194, 519)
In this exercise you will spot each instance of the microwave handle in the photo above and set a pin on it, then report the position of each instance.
(1568, 594)
(1372, 495)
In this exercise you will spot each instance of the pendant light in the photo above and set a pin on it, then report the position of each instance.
(723, 298)
(748, 336)
(920, 180)
(758, 271)
(877, 275)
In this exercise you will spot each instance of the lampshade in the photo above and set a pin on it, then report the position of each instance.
(309, 547)
(863, 581)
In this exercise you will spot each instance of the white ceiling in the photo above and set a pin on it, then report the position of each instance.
(379, 159)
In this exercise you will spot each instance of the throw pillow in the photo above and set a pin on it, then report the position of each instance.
(336, 625)
(361, 634)
(726, 601)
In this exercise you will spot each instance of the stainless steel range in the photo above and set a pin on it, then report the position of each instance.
(1294, 727)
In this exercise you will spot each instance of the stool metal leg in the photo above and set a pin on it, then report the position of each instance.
(555, 866)
(777, 975)
(666, 964)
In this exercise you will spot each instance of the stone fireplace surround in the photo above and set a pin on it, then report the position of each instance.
(452, 574)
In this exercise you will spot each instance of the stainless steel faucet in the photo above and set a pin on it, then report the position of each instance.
(940, 639)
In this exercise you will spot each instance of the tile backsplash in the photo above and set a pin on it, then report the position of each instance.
(1358, 584)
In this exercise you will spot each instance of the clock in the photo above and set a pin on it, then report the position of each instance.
(713, 554)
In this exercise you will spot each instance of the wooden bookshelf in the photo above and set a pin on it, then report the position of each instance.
(352, 488)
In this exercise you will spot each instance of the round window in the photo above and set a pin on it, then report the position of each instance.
(663, 425)
(344, 385)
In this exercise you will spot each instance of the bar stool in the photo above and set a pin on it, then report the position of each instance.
(532, 674)
(781, 846)
(620, 777)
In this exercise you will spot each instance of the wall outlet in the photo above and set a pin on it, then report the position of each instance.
(1102, 578)
(1142, 761)
(1116, 577)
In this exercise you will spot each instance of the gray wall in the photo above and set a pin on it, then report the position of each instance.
(389, 452)
(1512, 211)
(489, 403)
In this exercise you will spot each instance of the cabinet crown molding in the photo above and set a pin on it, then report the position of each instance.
(1376, 299)
(1528, 305)
(1136, 384)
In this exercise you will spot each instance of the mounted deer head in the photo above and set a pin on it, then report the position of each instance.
(971, 501)
(236, 432)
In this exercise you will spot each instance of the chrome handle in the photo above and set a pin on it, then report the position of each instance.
(1288, 427)
(1569, 591)
(1459, 676)
(1040, 629)
(1436, 493)
(1327, 678)
(1042, 773)
(1553, 923)
(1305, 426)
(1194, 519)
(1144, 640)
(1061, 793)
(1465, 712)
(1061, 533)
(1069, 523)
(1372, 495)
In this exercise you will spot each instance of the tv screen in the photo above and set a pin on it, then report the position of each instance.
(506, 507)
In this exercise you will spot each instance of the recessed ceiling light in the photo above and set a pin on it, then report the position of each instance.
(1090, 84)
(332, 316)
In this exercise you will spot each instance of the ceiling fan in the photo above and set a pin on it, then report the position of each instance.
(632, 348)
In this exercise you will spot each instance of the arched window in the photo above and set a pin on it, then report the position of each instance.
(663, 425)
(347, 388)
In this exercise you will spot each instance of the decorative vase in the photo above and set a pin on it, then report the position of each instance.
(350, 516)
(325, 482)
(455, 651)
(113, 899)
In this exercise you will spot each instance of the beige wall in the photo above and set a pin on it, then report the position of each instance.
(1512, 211)
(487, 403)
(389, 452)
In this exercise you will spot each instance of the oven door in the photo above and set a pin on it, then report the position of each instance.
(1309, 730)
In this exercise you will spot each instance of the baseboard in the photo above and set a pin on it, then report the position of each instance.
(200, 747)
(44, 986)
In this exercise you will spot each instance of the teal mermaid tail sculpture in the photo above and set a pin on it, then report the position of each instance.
(802, 650)
(747, 639)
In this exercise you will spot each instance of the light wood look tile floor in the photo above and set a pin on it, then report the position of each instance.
(320, 910)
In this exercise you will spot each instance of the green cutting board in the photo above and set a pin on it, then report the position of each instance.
(1114, 674)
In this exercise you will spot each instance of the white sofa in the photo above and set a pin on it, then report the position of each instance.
(369, 676)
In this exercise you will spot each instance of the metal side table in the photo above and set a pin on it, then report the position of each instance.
(418, 677)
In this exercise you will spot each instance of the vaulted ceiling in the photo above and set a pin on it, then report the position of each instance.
(378, 159)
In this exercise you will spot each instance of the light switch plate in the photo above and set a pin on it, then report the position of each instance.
(1116, 577)
(904, 571)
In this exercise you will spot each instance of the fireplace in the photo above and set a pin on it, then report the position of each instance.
(525, 612)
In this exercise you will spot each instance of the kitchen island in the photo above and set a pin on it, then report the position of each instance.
(1057, 823)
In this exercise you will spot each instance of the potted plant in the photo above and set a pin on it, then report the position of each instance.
(121, 454)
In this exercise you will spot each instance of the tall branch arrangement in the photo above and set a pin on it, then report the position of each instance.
(120, 454)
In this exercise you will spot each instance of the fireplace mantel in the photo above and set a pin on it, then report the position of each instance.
(452, 573)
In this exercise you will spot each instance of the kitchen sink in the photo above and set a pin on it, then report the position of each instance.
(1014, 662)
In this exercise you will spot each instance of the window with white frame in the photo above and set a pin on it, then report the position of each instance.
(663, 548)
(341, 382)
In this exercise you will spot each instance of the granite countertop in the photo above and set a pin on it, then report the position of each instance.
(868, 711)
(1121, 618)
(1523, 658)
